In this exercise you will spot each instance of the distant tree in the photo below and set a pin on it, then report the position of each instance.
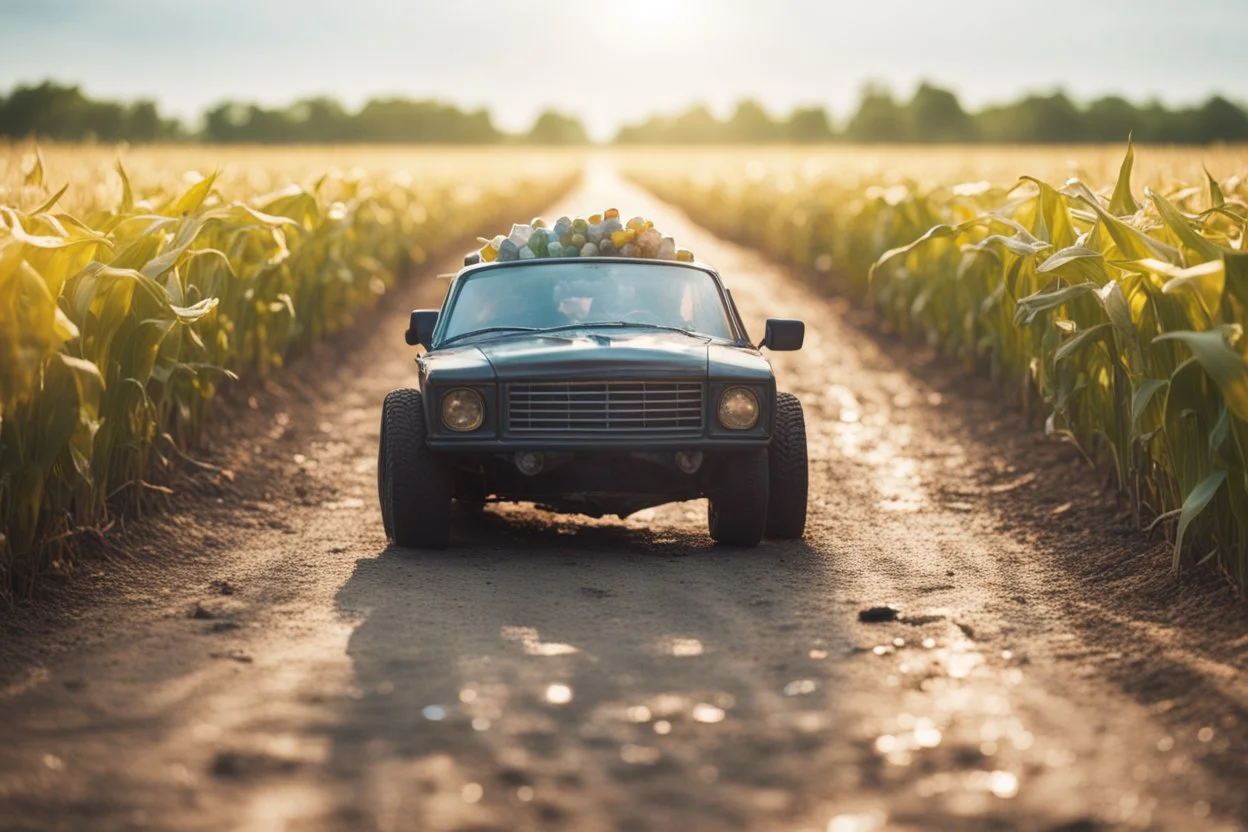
(63, 112)
(752, 124)
(936, 115)
(222, 123)
(697, 125)
(809, 125)
(322, 119)
(1042, 119)
(403, 120)
(1218, 120)
(879, 118)
(144, 124)
(1112, 119)
(555, 128)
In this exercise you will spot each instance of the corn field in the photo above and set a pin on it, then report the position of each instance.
(1122, 309)
(125, 307)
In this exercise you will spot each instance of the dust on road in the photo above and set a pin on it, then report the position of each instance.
(563, 673)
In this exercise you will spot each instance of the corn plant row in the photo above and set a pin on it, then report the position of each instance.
(118, 326)
(1125, 315)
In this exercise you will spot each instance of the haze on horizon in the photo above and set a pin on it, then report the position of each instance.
(622, 61)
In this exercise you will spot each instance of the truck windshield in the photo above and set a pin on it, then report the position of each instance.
(546, 295)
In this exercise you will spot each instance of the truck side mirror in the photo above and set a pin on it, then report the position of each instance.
(783, 335)
(420, 329)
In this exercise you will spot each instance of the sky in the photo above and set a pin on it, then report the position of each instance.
(616, 61)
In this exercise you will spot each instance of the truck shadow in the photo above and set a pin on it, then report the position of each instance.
(587, 674)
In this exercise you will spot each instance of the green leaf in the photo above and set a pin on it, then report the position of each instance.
(127, 195)
(191, 314)
(1032, 305)
(1177, 223)
(1206, 280)
(1144, 394)
(1076, 262)
(1197, 501)
(47, 205)
(1221, 443)
(1236, 286)
(34, 177)
(195, 195)
(1058, 228)
(1022, 244)
(1132, 243)
(1221, 362)
(1118, 308)
(1216, 199)
(1122, 202)
(939, 232)
(1083, 339)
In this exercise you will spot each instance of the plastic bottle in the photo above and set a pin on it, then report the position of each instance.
(520, 234)
(489, 251)
(508, 251)
(619, 239)
(539, 243)
(648, 241)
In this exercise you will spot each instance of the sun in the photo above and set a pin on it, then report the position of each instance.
(661, 15)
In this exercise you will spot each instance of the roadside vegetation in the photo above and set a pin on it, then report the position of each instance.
(128, 296)
(930, 115)
(1118, 307)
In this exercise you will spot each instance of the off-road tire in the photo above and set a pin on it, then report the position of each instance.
(413, 482)
(737, 513)
(788, 472)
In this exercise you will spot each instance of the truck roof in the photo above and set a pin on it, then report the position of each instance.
(641, 261)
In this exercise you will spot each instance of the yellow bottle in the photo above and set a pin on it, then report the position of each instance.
(619, 239)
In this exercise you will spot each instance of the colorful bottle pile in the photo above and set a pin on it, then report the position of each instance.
(602, 235)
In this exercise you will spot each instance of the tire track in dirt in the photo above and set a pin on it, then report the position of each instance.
(567, 673)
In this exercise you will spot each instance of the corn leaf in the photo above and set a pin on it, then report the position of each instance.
(1221, 362)
(1195, 503)
(1122, 203)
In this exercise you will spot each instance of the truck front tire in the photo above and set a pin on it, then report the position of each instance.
(413, 482)
(789, 474)
(737, 513)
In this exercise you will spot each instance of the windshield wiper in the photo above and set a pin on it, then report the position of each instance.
(592, 324)
(486, 331)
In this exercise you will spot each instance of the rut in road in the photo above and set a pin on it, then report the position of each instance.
(567, 673)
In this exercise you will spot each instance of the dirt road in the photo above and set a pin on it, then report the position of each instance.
(267, 663)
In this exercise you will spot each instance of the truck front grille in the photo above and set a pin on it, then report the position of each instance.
(605, 407)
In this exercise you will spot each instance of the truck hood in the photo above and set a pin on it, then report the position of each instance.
(604, 355)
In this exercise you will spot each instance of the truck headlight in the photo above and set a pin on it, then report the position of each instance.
(462, 410)
(738, 408)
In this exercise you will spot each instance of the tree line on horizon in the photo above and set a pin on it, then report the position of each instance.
(931, 115)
